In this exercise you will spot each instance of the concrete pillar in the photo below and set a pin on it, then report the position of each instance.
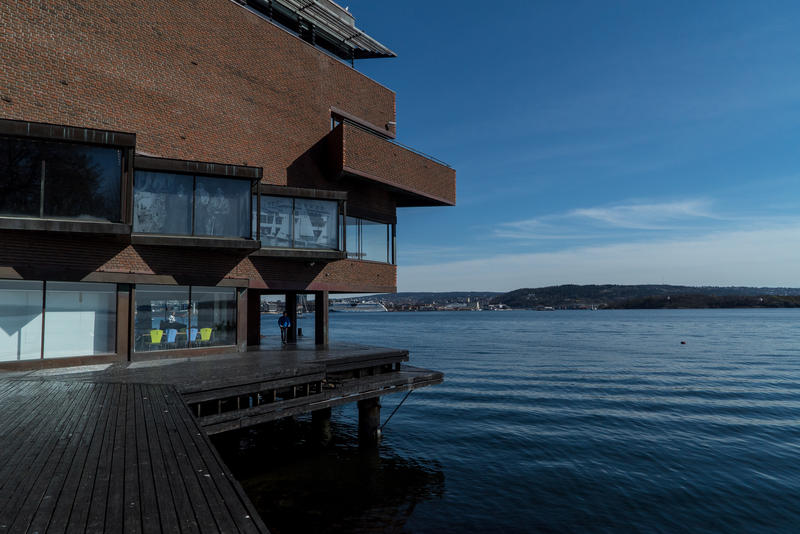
(321, 425)
(253, 303)
(369, 421)
(321, 317)
(291, 309)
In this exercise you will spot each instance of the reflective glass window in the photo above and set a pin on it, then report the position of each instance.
(374, 241)
(162, 203)
(161, 318)
(276, 221)
(222, 207)
(80, 319)
(213, 315)
(315, 223)
(353, 238)
(20, 320)
(20, 177)
(82, 181)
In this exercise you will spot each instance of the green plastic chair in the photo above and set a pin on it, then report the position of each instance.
(205, 335)
(155, 338)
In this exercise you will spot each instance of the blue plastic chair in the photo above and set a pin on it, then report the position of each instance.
(193, 335)
(172, 335)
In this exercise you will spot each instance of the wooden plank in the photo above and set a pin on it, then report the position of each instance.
(69, 464)
(128, 468)
(115, 504)
(70, 492)
(207, 499)
(35, 478)
(35, 448)
(150, 517)
(238, 505)
(100, 500)
(181, 465)
(171, 495)
(250, 388)
(87, 500)
(18, 415)
(215, 424)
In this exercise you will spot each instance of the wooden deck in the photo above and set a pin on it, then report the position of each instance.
(124, 447)
(100, 457)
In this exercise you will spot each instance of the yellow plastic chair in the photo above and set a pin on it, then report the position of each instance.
(205, 335)
(155, 338)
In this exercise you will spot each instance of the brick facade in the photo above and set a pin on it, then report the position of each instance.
(202, 80)
(366, 155)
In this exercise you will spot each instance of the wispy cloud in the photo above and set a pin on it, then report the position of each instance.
(607, 221)
(648, 216)
(753, 257)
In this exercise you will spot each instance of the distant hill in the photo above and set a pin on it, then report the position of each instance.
(647, 296)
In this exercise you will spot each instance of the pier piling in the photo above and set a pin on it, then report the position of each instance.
(321, 423)
(369, 421)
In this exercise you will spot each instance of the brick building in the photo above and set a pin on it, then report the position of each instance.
(165, 163)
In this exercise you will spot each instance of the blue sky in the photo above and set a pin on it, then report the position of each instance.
(598, 142)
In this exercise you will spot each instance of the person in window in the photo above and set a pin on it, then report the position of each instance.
(284, 323)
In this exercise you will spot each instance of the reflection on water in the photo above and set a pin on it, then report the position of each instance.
(299, 485)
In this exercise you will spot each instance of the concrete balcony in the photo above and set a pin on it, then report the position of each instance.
(414, 179)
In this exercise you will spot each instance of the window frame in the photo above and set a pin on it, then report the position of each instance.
(196, 170)
(85, 137)
(297, 193)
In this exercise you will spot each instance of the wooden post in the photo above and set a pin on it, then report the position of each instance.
(253, 303)
(321, 424)
(123, 321)
(291, 309)
(369, 421)
(321, 317)
(242, 319)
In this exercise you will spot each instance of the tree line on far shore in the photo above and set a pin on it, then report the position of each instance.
(649, 296)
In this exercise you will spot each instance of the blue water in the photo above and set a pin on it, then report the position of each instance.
(566, 421)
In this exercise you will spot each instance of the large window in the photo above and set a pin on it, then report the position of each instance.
(178, 204)
(179, 317)
(162, 203)
(61, 180)
(369, 240)
(276, 221)
(299, 223)
(79, 319)
(20, 320)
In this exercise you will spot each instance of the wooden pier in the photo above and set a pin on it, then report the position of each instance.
(124, 447)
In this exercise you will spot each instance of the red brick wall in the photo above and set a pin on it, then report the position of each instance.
(48, 256)
(392, 164)
(202, 80)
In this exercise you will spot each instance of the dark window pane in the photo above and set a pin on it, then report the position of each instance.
(82, 181)
(276, 221)
(161, 320)
(222, 207)
(20, 177)
(162, 203)
(214, 315)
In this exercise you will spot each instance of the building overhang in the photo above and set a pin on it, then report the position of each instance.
(413, 179)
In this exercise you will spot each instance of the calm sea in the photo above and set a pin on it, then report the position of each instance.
(565, 421)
